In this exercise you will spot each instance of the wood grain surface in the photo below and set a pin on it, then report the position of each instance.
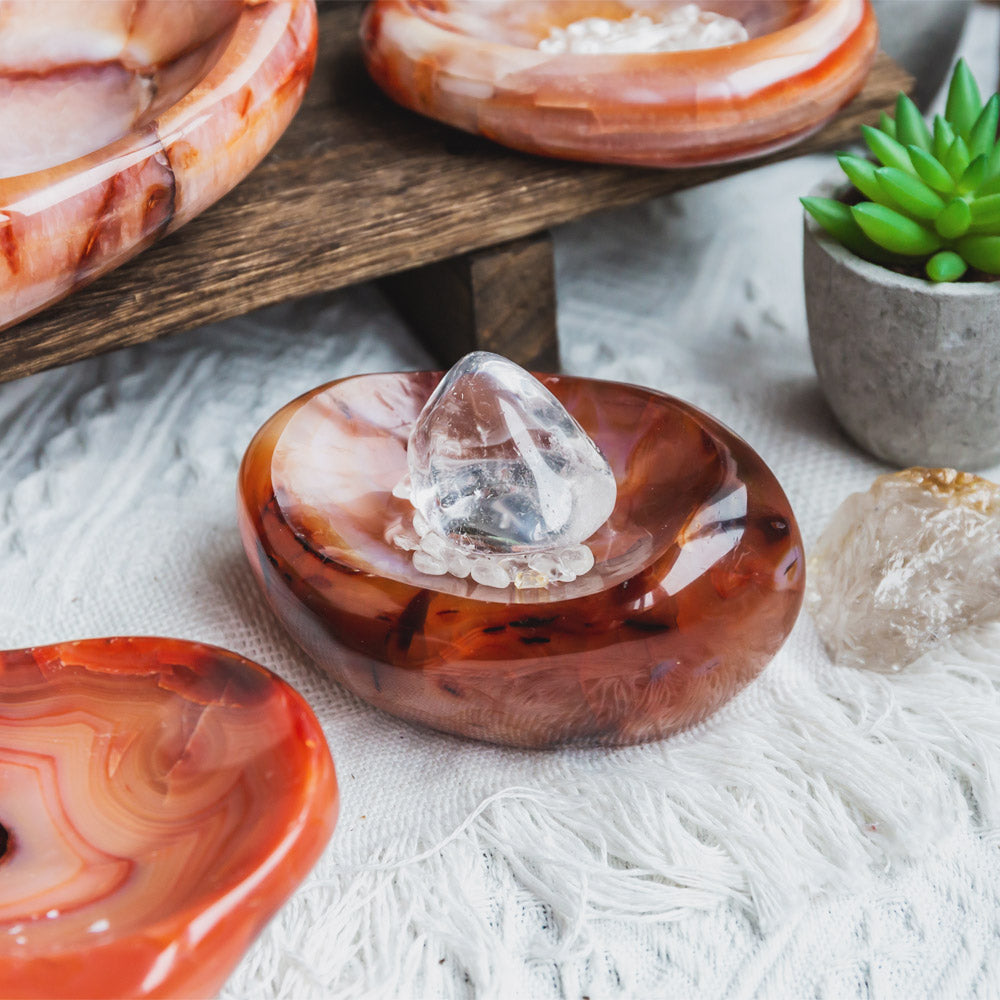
(356, 189)
(501, 298)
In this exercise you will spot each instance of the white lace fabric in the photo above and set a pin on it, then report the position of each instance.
(829, 833)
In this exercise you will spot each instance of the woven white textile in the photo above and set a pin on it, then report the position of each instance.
(830, 833)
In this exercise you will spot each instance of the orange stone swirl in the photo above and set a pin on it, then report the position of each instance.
(476, 66)
(159, 800)
(699, 574)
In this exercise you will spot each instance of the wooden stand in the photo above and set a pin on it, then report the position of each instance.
(500, 299)
(359, 188)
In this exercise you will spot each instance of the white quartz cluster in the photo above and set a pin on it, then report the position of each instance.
(905, 565)
(685, 27)
(436, 555)
(505, 485)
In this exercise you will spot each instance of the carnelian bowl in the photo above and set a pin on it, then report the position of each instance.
(476, 65)
(159, 801)
(121, 121)
(698, 579)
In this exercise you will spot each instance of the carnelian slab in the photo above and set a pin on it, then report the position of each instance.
(476, 66)
(699, 573)
(159, 801)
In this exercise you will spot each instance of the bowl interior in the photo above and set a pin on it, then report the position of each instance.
(337, 459)
(154, 798)
(525, 23)
(77, 75)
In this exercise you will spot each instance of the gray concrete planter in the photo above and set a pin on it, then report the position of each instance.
(910, 369)
(922, 35)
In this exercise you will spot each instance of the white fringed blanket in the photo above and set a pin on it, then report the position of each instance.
(829, 833)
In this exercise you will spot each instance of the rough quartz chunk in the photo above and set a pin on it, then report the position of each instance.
(901, 567)
(497, 464)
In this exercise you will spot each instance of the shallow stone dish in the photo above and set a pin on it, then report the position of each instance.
(159, 801)
(476, 65)
(698, 577)
(122, 121)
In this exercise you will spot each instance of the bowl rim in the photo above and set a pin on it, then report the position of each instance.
(146, 140)
(276, 424)
(816, 12)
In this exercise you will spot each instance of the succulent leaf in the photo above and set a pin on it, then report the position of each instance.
(944, 136)
(988, 188)
(934, 192)
(862, 174)
(930, 170)
(908, 192)
(835, 217)
(894, 231)
(911, 129)
(887, 125)
(887, 151)
(956, 160)
(982, 252)
(986, 211)
(964, 103)
(974, 176)
(983, 136)
(993, 159)
(946, 265)
(955, 220)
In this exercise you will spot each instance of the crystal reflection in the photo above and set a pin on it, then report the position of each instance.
(712, 532)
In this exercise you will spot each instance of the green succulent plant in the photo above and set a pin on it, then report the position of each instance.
(934, 193)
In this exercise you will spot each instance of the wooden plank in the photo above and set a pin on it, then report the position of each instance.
(500, 299)
(356, 189)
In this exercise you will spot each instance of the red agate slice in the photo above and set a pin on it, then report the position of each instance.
(476, 65)
(159, 800)
(697, 581)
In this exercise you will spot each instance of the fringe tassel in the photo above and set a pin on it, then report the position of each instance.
(800, 787)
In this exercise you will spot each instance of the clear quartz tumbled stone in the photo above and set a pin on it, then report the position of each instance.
(501, 476)
(903, 566)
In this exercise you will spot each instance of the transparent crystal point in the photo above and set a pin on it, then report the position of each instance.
(497, 464)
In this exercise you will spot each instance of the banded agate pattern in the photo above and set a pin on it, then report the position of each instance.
(698, 577)
(123, 119)
(159, 801)
(477, 65)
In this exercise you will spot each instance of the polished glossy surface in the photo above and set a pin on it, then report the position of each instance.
(698, 579)
(123, 120)
(475, 64)
(159, 800)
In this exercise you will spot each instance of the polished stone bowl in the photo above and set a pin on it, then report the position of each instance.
(475, 65)
(122, 121)
(698, 578)
(159, 801)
